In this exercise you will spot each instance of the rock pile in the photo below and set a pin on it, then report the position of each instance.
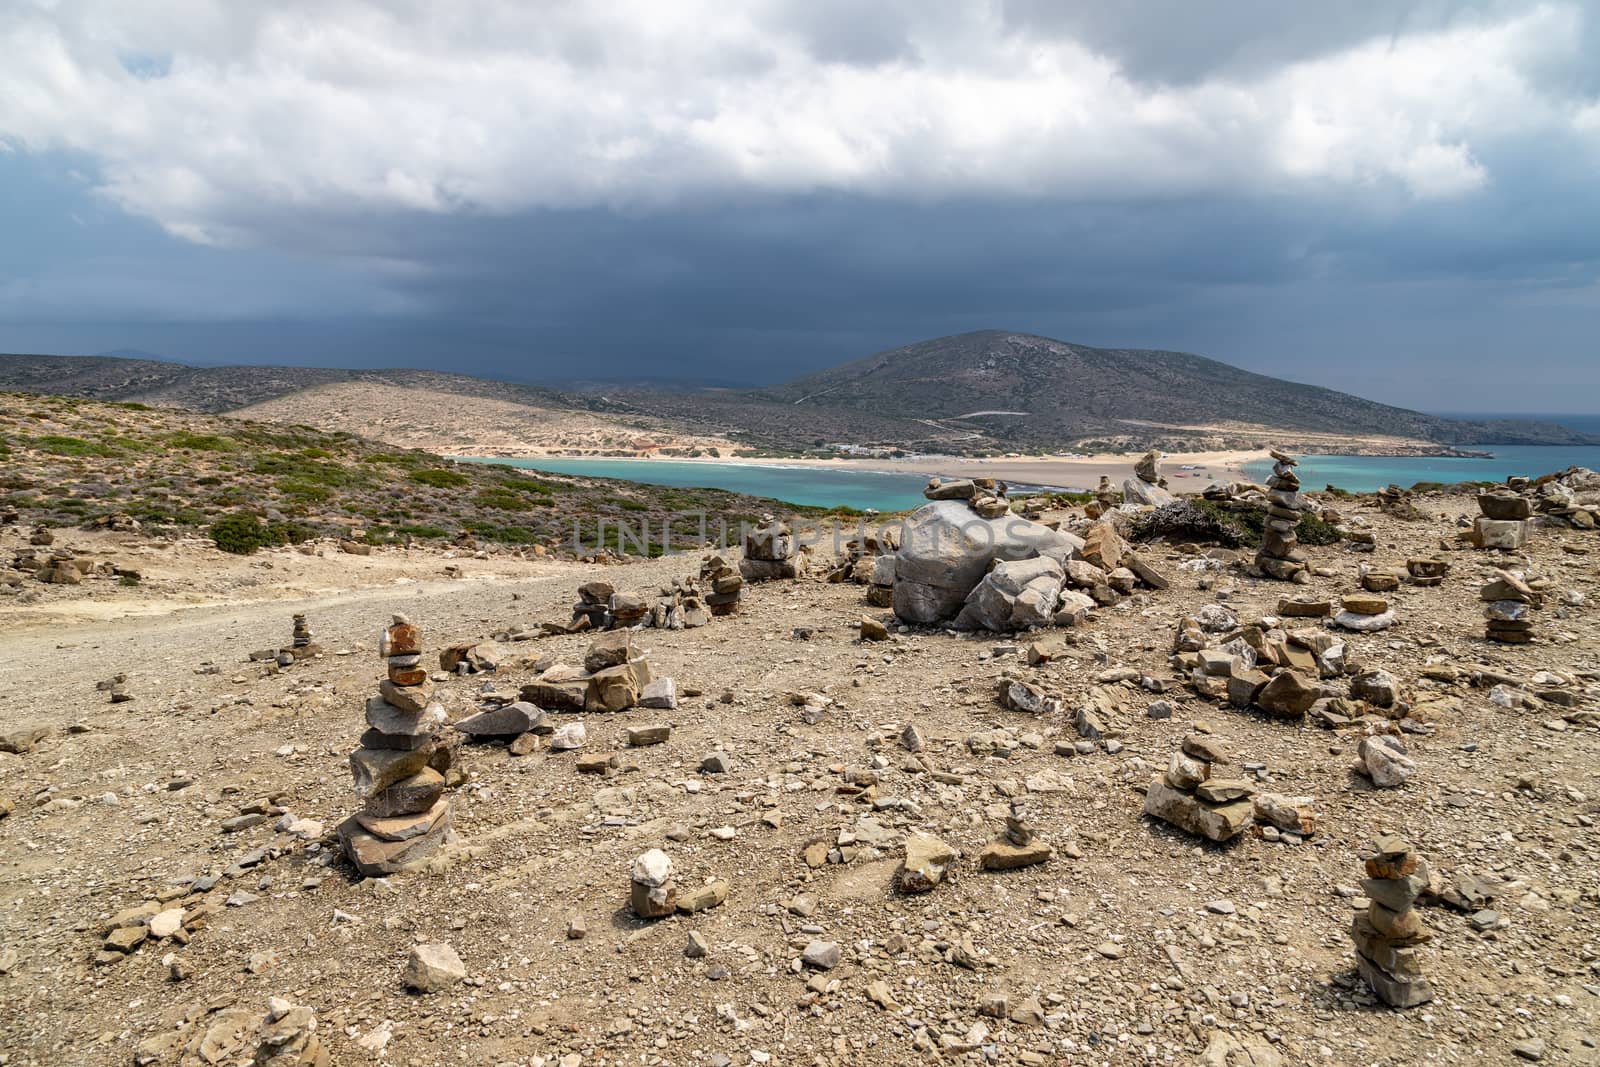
(1147, 486)
(601, 607)
(1186, 796)
(946, 549)
(1572, 496)
(1509, 603)
(288, 1037)
(593, 609)
(1388, 933)
(985, 496)
(399, 768)
(725, 583)
(1280, 556)
(770, 551)
(615, 676)
(1427, 571)
(1505, 523)
(679, 607)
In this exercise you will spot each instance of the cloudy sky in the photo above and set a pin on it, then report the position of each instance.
(1397, 199)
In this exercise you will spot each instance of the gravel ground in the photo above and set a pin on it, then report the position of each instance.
(1134, 944)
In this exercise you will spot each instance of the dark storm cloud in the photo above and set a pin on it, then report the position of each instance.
(1372, 196)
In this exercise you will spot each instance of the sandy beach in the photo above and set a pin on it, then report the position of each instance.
(1081, 472)
(1063, 472)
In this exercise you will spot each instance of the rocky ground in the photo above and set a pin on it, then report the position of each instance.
(1134, 944)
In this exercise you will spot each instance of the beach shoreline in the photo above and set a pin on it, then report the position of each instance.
(1054, 472)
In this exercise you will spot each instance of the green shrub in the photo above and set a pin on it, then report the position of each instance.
(58, 445)
(440, 479)
(238, 534)
(200, 442)
(1313, 531)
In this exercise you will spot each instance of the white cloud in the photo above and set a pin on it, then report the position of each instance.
(213, 117)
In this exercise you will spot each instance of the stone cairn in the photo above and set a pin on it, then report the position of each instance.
(725, 583)
(1280, 556)
(1147, 486)
(652, 892)
(1509, 603)
(985, 496)
(1017, 847)
(1186, 796)
(770, 551)
(300, 645)
(680, 607)
(1388, 933)
(1364, 613)
(1105, 499)
(1506, 521)
(405, 815)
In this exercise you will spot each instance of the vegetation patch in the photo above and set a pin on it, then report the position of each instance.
(440, 479)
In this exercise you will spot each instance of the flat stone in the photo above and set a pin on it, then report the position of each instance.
(511, 720)
(376, 769)
(1221, 822)
(408, 796)
(404, 827)
(703, 897)
(1002, 855)
(640, 736)
(374, 857)
(1224, 790)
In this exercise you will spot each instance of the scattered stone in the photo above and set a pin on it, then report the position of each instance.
(432, 967)
(926, 862)
(1383, 759)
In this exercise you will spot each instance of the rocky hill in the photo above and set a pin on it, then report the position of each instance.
(1034, 390)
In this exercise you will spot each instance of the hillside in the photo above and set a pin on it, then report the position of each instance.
(1027, 389)
(67, 462)
(450, 424)
(982, 392)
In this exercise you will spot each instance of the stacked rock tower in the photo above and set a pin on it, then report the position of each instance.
(1388, 932)
(1508, 606)
(725, 584)
(405, 815)
(1506, 521)
(1280, 556)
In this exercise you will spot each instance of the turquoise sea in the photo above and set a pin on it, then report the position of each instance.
(797, 485)
(1365, 473)
(898, 492)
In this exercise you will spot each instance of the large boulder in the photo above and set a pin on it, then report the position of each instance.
(1139, 491)
(945, 550)
(1014, 595)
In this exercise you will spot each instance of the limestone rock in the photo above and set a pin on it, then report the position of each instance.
(432, 967)
(926, 862)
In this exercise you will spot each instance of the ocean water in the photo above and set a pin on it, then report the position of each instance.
(796, 485)
(1361, 474)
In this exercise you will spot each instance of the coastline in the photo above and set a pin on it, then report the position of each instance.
(1056, 472)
